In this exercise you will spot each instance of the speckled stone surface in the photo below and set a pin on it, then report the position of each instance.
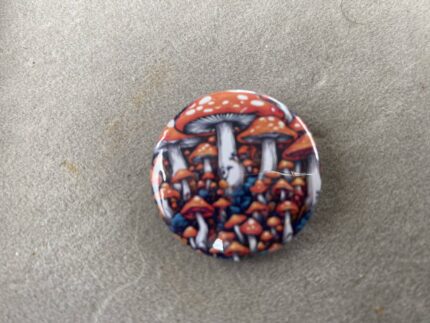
(85, 89)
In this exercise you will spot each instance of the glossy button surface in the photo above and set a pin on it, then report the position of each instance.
(235, 173)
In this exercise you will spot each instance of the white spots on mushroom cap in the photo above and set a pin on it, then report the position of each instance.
(199, 108)
(190, 112)
(271, 118)
(211, 103)
(236, 106)
(205, 100)
(281, 124)
(193, 105)
(270, 125)
(257, 103)
(171, 124)
(242, 97)
(261, 119)
(252, 130)
(225, 102)
(208, 110)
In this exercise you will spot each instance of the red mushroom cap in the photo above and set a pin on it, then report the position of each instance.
(267, 128)
(171, 136)
(235, 220)
(167, 192)
(182, 174)
(197, 205)
(297, 124)
(298, 181)
(266, 236)
(287, 206)
(281, 184)
(256, 207)
(238, 107)
(204, 150)
(273, 221)
(251, 227)
(300, 149)
(259, 187)
(286, 164)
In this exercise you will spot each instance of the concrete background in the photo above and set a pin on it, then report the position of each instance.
(85, 87)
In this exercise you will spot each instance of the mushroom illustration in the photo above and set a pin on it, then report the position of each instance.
(266, 236)
(298, 184)
(259, 188)
(313, 182)
(261, 246)
(222, 112)
(226, 238)
(234, 222)
(190, 233)
(236, 250)
(252, 229)
(221, 204)
(208, 178)
(281, 189)
(275, 247)
(287, 209)
(163, 196)
(286, 166)
(182, 176)
(173, 141)
(197, 208)
(204, 152)
(273, 222)
(299, 150)
(257, 209)
(267, 131)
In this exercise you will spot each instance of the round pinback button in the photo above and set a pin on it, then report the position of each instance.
(235, 173)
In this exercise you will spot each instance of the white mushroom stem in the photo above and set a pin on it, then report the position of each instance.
(252, 243)
(236, 257)
(288, 229)
(178, 162)
(261, 198)
(207, 165)
(239, 234)
(269, 157)
(314, 181)
(167, 210)
(273, 230)
(283, 195)
(201, 238)
(230, 169)
(192, 243)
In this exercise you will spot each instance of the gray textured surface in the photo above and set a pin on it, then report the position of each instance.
(85, 87)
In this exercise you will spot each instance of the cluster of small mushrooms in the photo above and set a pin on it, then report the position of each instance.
(238, 169)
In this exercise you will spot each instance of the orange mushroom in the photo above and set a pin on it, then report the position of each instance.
(163, 196)
(252, 229)
(182, 176)
(287, 209)
(257, 209)
(221, 204)
(235, 250)
(259, 188)
(281, 189)
(190, 233)
(234, 222)
(273, 222)
(267, 131)
(197, 208)
(204, 153)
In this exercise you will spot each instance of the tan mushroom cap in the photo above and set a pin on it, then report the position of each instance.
(221, 203)
(286, 164)
(256, 207)
(226, 236)
(238, 107)
(190, 232)
(236, 248)
(181, 175)
(235, 219)
(197, 205)
(282, 184)
(204, 150)
(287, 206)
(273, 221)
(259, 187)
(266, 236)
(251, 227)
(298, 181)
(300, 149)
(267, 128)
